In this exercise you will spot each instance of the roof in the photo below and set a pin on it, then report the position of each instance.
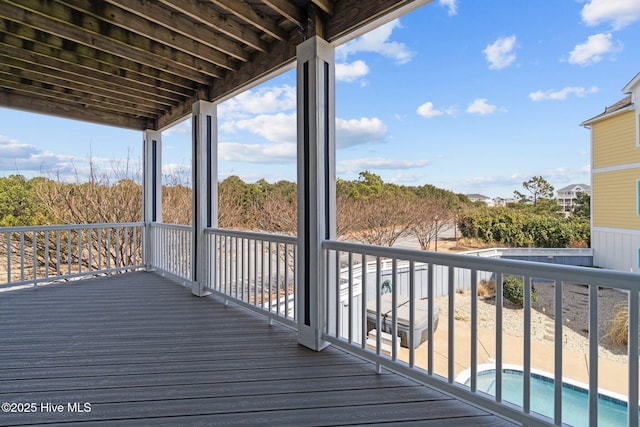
(623, 105)
(633, 84)
(142, 64)
(573, 186)
(477, 196)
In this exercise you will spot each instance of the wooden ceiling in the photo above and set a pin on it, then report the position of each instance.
(140, 64)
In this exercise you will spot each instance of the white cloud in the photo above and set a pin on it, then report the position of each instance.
(352, 71)
(557, 177)
(373, 163)
(257, 153)
(451, 5)
(619, 13)
(408, 178)
(481, 107)
(377, 41)
(359, 131)
(279, 127)
(562, 94)
(17, 157)
(264, 100)
(428, 111)
(178, 129)
(500, 53)
(593, 49)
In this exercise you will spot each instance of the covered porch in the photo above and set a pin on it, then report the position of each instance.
(139, 349)
(265, 328)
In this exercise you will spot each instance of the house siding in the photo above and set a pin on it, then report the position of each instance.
(614, 141)
(616, 249)
(615, 199)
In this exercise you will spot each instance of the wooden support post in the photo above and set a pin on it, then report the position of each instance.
(205, 188)
(316, 185)
(151, 191)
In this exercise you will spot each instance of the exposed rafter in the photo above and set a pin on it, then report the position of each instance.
(142, 63)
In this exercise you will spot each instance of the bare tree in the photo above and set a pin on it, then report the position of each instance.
(431, 216)
(177, 204)
(382, 219)
(277, 214)
(105, 197)
(346, 216)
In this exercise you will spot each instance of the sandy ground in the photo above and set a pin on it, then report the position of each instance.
(575, 317)
(575, 313)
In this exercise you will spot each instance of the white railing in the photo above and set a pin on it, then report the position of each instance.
(552, 252)
(399, 330)
(416, 312)
(170, 250)
(256, 270)
(32, 255)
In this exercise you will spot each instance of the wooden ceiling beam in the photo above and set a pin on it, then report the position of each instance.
(89, 100)
(246, 13)
(42, 75)
(155, 12)
(106, 67)
(34, 103)
(202, 13)
(325, 5)
(128, 21)
(352, 18)
(288, 10)
(281, 55)
(86, 30)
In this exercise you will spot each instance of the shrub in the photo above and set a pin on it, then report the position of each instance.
(513, 290)
(487, 288)
(618, 334)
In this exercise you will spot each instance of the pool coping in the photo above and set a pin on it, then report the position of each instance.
(465, 375)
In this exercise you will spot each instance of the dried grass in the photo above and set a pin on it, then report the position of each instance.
(618, 334)
(487, 288)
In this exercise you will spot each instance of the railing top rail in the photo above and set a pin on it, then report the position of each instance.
(280, 238)
(532, 251)
(68, 227)
(165, 226)
(556, 272)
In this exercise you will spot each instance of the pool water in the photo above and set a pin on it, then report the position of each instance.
(575, 403)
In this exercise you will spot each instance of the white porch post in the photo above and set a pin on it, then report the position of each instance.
(316, 184)
(205, 187)
(151, 190)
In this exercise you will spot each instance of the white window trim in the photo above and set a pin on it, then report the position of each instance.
(637, 196)
(637, 125)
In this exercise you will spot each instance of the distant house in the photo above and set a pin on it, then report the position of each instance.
(499, 201)
(567, 195)
(615, 181)
(480, 198)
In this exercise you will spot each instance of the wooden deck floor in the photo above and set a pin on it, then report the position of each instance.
(141, 350)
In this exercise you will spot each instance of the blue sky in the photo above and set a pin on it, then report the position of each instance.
(468, 95)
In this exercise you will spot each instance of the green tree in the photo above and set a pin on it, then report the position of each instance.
(18, 206)
(367, 185)
(582, 206)
(538, 188)
(525, 228)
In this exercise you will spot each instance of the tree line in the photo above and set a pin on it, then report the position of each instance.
(367, 209)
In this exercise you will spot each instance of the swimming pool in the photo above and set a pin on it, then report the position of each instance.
(575, 404)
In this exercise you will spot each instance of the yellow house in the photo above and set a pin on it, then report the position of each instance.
(615, 181)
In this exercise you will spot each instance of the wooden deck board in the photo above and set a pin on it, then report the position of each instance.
(142, 350)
